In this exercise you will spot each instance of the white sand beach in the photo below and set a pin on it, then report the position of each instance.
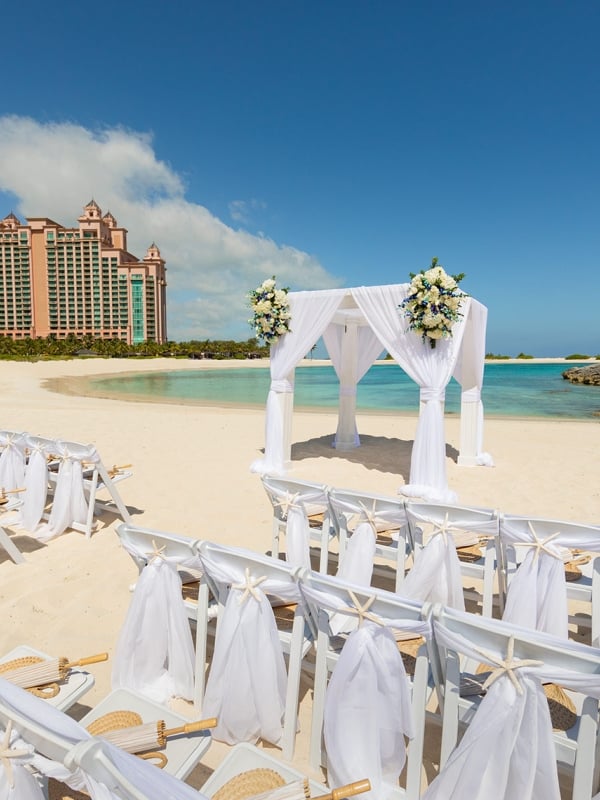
(191, 476)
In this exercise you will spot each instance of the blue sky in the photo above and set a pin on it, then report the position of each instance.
(328, 143)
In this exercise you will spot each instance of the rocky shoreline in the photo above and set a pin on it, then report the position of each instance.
(589, 375)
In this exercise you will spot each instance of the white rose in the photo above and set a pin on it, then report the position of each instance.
(437, 333)
(265, 324)
(262, 307)
(280, 297)
(268, 284)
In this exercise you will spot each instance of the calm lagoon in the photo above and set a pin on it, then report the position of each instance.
(511, 390)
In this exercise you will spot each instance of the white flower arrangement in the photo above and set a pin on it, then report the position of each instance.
(271, 311)
(433, 303)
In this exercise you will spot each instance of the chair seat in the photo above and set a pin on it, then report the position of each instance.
(70, 690)
(183, 752)
(244, 757)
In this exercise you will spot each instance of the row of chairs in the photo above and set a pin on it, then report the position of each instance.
(50, 485)
(446, 552)
(365, 701)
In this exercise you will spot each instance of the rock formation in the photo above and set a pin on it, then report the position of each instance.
(589, 375)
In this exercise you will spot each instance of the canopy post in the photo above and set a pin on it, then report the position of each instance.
(346, 437)
(469, 430)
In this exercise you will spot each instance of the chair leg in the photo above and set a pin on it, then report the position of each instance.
(320, 686)
(10, 547)
(290, 724)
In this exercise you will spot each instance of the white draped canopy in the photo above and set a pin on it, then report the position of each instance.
(356, 325)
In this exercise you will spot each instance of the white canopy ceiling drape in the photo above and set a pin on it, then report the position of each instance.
(356, 325)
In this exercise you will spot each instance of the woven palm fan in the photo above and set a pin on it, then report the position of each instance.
(30, 671)
(266, 784)
(126, 730)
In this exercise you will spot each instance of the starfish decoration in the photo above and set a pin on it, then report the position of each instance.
(369, 515)
(506, 666)
(6, 754)
(362, 611)
(442, 529)
(289, 501)
(158, 552)
(249, 587)
(540, 545)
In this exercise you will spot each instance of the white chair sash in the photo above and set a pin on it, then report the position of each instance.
(12, 460)
(297, 537)
(357, 565)
(69, 504)
(247, 682)
(435, 576)
(367, 704)
(36, 485)
(155, 651)
(507, 750)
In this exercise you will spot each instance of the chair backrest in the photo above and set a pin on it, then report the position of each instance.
(253, 702)
(359, 743)
(311, 496)
(350, 506)
(142, 543)
(537, 591)
(471, 520)
(436, 531)
(511, 714)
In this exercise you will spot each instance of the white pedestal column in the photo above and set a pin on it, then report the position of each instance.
(286, 404)
(346, 437)
(469, 432)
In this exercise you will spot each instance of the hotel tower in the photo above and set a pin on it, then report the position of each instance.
(56, 282)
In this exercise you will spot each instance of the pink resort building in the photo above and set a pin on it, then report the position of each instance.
(57, 281)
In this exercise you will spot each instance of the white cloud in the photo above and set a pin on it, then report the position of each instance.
(244, 210)
(54, 169)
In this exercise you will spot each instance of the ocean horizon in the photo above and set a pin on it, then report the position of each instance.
(509, 389)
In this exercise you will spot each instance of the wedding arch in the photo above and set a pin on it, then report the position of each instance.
(357, 325)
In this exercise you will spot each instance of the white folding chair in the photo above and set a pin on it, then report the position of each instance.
(447, 541)
(248, 689)
(288, 493)
(491, 684)
(45, 742)
(146, 544)
(549, 562)
(387, 518)
(12, 459)
(364, 700)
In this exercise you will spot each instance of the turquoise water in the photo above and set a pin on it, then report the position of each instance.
(512, 390)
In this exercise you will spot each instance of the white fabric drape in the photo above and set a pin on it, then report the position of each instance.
(69, 504)
(351, 362)
(153, 783)
(310, 312)
(35, 483)
(431, 368)
(247, 682)
(507, 751)
(469, 371)
(297, 537)
(368, 700)
(357, 564)
(154, 654)
(537, 594)
(435, 575)
(12, 460)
